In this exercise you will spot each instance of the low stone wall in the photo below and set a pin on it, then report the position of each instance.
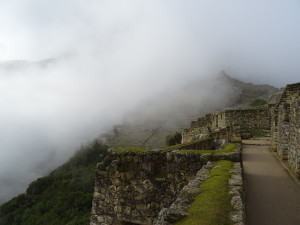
(205, 144)
(258, 118)
(133, 187)
(202, 121)
(193, 134)
(230, 121)
(179, 208)
(236, 189)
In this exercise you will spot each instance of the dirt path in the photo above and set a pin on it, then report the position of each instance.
(273, 197)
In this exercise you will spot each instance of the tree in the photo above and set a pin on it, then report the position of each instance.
(258, 102)
(173, 139)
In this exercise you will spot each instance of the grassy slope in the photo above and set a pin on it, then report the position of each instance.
(229, 148)
(62, 198)
(212, 206)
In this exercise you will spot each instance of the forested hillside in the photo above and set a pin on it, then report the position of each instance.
(64, 197)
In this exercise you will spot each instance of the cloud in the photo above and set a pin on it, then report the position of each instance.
(112, 55)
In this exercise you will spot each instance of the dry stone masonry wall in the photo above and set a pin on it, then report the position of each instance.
(179, 208)
(133, 187)
(144, 187)
(285, 127)
(236, 189)
(230, 120)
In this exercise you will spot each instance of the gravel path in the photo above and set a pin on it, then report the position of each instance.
(273, 197)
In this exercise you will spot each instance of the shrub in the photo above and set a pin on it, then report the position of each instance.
(258, 102)
(173, 139)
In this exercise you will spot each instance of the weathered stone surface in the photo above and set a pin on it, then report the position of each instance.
(236, 189)
(237, 216)
(285, 125)
(157, 187)
(235, 119)
(237, 203)
(179, 208)
(127, 188)
(130, 191)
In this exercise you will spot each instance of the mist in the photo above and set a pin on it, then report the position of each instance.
(106, 58)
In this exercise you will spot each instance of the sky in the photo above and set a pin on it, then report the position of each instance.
(111, 55)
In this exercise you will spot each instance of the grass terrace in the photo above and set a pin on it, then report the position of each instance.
(256, 132)
(132, 149)
(212, 206)
(229, 148)
(236, 139)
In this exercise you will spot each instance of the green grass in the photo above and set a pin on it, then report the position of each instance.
(184, 144)
(256, 132)
(237, 139)
(258, 102)
(212, 206)
(229, 148)
(132, 149)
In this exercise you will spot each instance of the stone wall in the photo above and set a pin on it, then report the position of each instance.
(203, 144)
(133, 187)
(179, 208)
(274, 127)
(294, 140)
(230, 121)
(285, 127)
(258, 118)
(202, 121)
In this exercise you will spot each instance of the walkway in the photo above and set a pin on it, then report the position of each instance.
(273, 198)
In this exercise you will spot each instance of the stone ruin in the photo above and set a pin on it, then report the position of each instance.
(285, 127)
(281, 118)
(138, 187)
(229, 123)
(142, 187)
(146, 187)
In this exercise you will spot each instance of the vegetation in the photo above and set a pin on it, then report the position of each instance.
(236, 139)
(256, 132)
(173, 147)
(161, 174)
(64, 197)
(174, 139)
(258, 102)
(212, 206)
(132, 149)
(229, 148)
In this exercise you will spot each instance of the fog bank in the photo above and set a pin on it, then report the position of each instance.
(106, 57)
